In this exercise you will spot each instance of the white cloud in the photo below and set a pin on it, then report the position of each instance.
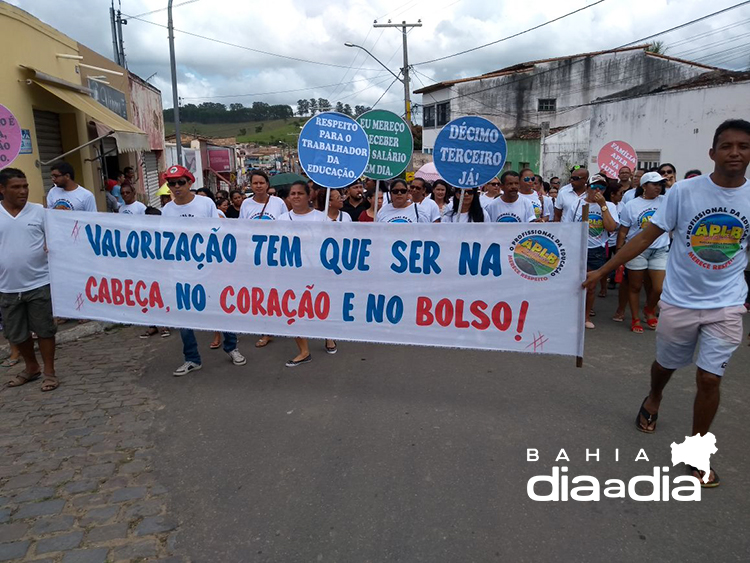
(316, 30)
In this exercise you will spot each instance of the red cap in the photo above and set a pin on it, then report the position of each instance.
(177, 171)
(111, 184)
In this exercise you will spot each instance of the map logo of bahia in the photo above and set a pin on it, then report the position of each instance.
(645, 218)
(536, 255)
(715, 237)
(559, 486)
(596, 224)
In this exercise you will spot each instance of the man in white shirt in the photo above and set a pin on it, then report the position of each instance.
(186, 204)
(426, 204)
(25, 298)
(510, 207)
(130, 205)
(569, 197)
(702, 302)
(66, 194)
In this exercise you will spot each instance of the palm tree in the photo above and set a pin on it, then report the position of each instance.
(657, 47)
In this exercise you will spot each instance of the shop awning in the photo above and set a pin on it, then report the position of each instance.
(129, 137)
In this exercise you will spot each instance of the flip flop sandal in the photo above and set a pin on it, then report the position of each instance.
(711, 484)
(333, 349)
(635, 326)
(149, 333)
(165, 333)
(263, 342)
(23, 379)
(215, 345)
(9, 362)
(50, 383)
(648, 417)
(619, 318)
(589, 325)
(653, 321)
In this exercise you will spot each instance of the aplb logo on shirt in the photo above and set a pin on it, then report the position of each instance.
(645, 218)
(400, 219)
(508, 218)
(63, 204)
(716, 238)
(537, 208)
(259, 217)
(596, 225)
(535, 255)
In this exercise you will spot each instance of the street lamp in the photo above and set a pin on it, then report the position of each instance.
(347, 44)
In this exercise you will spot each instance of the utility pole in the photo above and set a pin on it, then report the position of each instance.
(115, 42)
(120, 23)
(175, 97)
(405, 70)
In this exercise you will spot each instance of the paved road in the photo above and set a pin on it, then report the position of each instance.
(76, 480)
(385, 454)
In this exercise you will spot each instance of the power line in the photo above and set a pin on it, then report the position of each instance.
(684, 24)
(511, 36)
(384, 93)
(271, 93)
(163, 9)
(245, 47)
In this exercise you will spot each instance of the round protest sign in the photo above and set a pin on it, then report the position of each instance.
(10, 137)
(614, 156)
(391, 143)
(333, 149)
(469, 152)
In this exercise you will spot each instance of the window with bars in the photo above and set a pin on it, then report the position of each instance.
(547, 104)
(428, 119)
(443, 113)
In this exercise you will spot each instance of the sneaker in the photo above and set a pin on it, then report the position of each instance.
(295, 363)
(186, 368)
(237, 358)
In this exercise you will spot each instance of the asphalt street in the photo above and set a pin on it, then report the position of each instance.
(399, 453)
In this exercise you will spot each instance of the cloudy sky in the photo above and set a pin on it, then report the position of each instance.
(314, 31)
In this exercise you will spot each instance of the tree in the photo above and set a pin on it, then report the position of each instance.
(339, 107)
(324, 105)
(657, 47)
(236, 107)
(359, 110)
(303, 107)
(313, 106)
(348, 110)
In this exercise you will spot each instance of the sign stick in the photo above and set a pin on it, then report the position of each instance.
(584, 219)
(328, 201)
(460, 206)
(377, 196)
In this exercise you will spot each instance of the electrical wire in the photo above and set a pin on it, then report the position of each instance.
(244, 47)
(384, 93)
(691, 22)
(511, 36)
(271, 93)
(163, 9)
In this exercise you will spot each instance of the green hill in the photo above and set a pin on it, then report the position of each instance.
(263, 132)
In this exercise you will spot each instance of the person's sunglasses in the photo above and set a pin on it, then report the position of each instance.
(398, 191)
(173, 183)
(597, 187)
(572, 178)
(528, 178)
(666, 171)
(495, 184)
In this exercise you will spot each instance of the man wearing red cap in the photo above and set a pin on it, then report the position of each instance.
(185, 204)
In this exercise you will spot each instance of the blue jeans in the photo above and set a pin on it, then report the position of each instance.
(190, 344)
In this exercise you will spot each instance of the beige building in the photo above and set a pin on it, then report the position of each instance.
(71, 103)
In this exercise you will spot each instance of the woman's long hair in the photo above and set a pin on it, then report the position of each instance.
(476, 213)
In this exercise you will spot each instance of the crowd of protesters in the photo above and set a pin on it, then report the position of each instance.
(636, 234)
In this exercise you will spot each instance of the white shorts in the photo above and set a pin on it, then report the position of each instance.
(718, 331)
(650, 259)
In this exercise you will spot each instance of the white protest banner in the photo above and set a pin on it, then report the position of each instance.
(509, 286)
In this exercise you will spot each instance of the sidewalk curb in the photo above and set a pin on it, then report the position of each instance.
(70, 335)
